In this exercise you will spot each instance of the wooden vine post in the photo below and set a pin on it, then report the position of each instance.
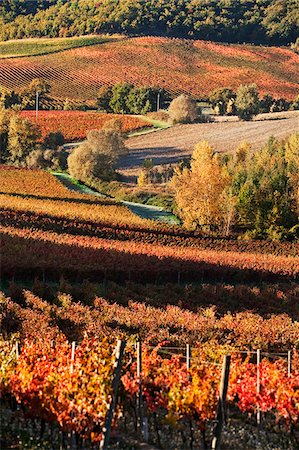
(17, 350)
(258, 386)
(120, 350)
(221, 403)
(71, 434)
(289, 363)
(142, 423)
(188, 356)
(139, 392)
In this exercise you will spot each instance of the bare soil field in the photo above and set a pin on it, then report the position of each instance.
(176, 143)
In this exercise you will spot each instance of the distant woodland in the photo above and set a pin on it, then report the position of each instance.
(274, 22)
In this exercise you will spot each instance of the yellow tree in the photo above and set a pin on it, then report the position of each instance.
(22, 139)
(4, 123)
(292, 159)
(202, 192)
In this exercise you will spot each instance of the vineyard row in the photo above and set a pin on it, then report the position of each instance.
(123, 312)
(73, 387)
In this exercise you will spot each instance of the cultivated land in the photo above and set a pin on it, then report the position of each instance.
(176, 143)
(85, 269)
(193, 67)
(36, 46)
(80, 267)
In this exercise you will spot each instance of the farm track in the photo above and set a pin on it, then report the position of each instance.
(143, 211)
(176, 143)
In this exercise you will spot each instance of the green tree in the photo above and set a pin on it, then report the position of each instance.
(53, 140)
(247, 102)
(281, 19)
(28, 94)
(23, 138)
(266, 103)
(265, 191)
(221, 100)
(260, 21)
(4, 126)
(104, 98)
(8, 98)
(119, 99)
(139, 100)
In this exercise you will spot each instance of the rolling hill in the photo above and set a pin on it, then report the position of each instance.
(178, 65)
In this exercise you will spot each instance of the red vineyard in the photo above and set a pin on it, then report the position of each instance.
(179, 66)
(75, 124)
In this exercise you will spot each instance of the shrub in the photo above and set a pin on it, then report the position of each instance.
(67, 105)
(96, 157)
(183, 109)
(113, 124)
(22, 139)
(54, 140)
(48, 159)
(162, 116)
(56, 159)
(36, 160)
(266, 103)
(280, 104)
(295, 103)
(222, 101)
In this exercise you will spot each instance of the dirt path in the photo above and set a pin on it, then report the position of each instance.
(176, 143)
(144, 211)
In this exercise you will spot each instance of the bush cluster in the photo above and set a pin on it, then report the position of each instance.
(246, 102)
(20, 144)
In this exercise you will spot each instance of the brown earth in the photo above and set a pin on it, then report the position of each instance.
(176, 143)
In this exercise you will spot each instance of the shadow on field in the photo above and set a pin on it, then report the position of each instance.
(78, 260)
(97, 200)
(161, 155)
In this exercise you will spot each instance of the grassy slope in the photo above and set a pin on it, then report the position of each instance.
(45, 46)
(194, 67)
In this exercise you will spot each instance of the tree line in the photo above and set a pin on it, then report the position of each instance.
(260, 22)
(246, 102)
(126, 98)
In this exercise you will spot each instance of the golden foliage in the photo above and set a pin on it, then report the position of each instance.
(201, 191)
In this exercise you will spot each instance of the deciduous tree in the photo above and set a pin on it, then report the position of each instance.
(247, 101)
(96, 157)
(200, 191)
(23, 138)
(183, 109)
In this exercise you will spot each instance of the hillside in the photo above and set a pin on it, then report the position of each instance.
(193, 67)
(43, 46)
